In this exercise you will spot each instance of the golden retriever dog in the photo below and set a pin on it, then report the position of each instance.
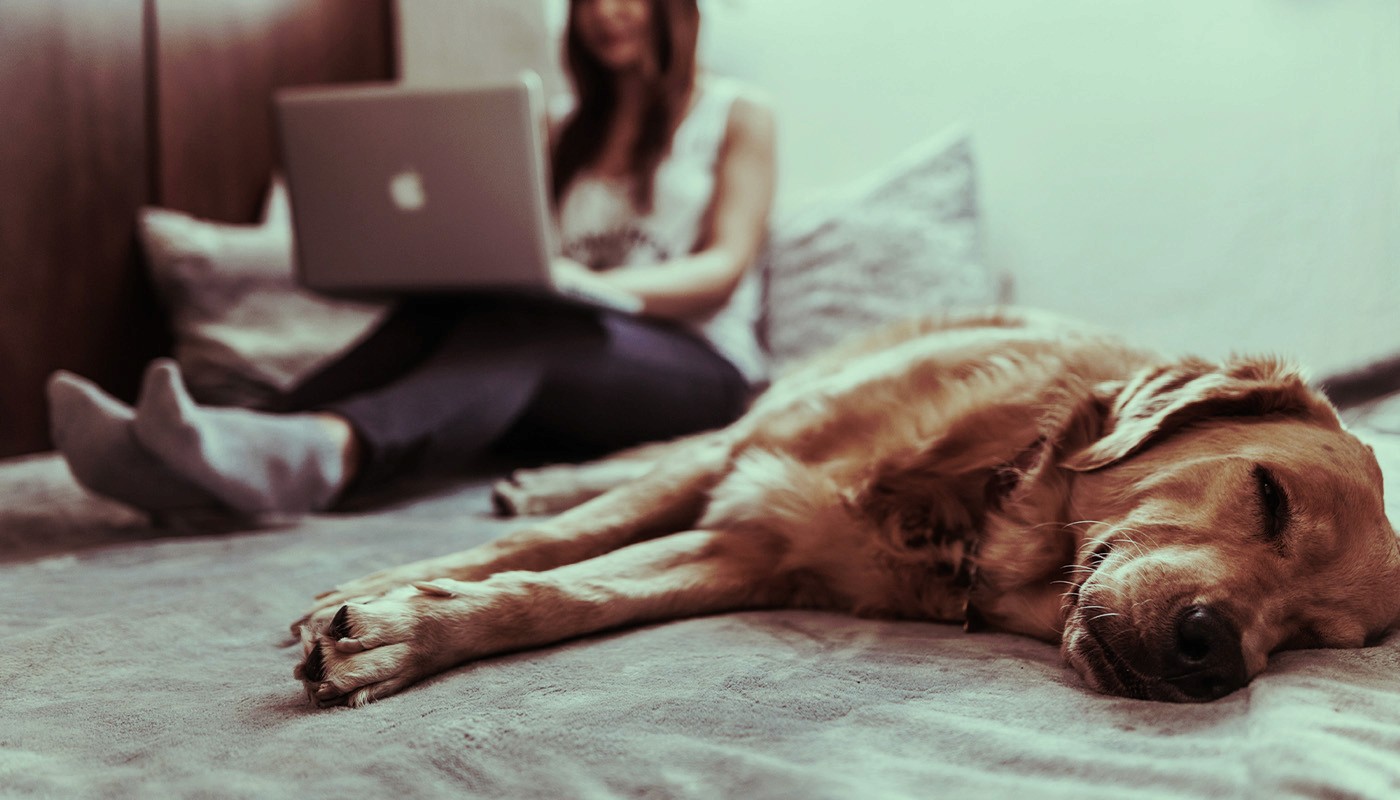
(1169, 522)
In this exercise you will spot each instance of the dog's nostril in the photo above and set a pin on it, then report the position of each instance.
(1206, 661)
(1195, 634)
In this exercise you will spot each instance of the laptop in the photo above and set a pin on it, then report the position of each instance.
(415, 190)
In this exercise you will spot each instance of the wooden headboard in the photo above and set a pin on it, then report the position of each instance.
(114, 104)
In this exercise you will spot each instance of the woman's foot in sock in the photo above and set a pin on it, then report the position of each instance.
(93, 431)
(256, 462)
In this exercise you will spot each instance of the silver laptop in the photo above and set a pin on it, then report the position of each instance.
(398, 189)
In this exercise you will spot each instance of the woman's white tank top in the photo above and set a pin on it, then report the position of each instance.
(600, 228)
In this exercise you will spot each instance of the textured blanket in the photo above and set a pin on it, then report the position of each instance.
(145, 663)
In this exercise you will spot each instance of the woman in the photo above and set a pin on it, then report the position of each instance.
(662, 184)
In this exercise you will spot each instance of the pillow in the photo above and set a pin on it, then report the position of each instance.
(902, 242)
(244, 332)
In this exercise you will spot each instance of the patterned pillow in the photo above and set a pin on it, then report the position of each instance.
(244, 332)
(902, 242)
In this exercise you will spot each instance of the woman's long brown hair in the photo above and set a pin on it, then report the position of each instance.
(675, 29)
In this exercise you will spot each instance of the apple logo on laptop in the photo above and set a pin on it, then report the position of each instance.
(406, 190)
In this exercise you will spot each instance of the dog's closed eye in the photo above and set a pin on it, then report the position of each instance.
(1273, 505)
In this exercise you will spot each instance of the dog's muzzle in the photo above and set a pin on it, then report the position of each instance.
(1198, 657)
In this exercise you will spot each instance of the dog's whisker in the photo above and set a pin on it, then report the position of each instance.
(1058, 524)
(1129, 533)
(1134, 542)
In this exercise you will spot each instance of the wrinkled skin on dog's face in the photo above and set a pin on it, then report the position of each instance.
(1226, 542)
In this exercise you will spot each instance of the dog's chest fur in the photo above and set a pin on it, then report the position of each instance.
(836, 558)
(1000, 574)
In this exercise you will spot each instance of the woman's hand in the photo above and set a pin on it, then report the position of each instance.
(696, 284)
(571, 277)
(566, 270)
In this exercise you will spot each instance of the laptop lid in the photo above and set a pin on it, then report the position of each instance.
(418, 189)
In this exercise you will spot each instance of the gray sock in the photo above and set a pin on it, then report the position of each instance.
(256, 462)
(93, 431)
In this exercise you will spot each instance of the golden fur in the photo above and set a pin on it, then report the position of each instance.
(1171, 523)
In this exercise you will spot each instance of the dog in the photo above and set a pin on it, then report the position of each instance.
(1170, 523)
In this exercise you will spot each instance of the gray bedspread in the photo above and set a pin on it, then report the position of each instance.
(142, 663)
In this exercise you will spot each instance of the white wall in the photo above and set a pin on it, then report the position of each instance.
(452, 41)
(1206, 175)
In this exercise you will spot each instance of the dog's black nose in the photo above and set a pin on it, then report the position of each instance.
(1206, 660)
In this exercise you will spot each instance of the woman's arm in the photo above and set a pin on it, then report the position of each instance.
(738, 220)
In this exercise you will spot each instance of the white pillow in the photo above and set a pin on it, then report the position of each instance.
(244, 331)
(904, 241)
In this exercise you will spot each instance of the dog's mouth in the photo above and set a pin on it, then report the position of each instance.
(1109, 671)
(1108, 659)
(1089, 641)
(1087, 649)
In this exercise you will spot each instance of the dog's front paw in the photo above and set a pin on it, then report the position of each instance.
(377, 584)
(370, 650)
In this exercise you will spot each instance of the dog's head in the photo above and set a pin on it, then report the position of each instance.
(1229, 516)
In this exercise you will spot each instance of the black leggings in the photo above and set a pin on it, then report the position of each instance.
(443, 380)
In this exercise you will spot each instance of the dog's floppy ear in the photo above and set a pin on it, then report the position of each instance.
(1159, 400)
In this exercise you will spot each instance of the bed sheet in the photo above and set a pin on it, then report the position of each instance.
(155, 663)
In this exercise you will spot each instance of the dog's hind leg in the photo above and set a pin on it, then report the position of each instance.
(370, 650)
(550, 490)
(668, 499)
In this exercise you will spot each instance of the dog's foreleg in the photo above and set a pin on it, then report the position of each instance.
(370, 650)
(669, 498)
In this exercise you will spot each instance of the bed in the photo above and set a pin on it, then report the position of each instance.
(144, 662)
(151, 658)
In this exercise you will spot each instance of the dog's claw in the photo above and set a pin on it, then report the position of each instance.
(314, 667)
(340, 625)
